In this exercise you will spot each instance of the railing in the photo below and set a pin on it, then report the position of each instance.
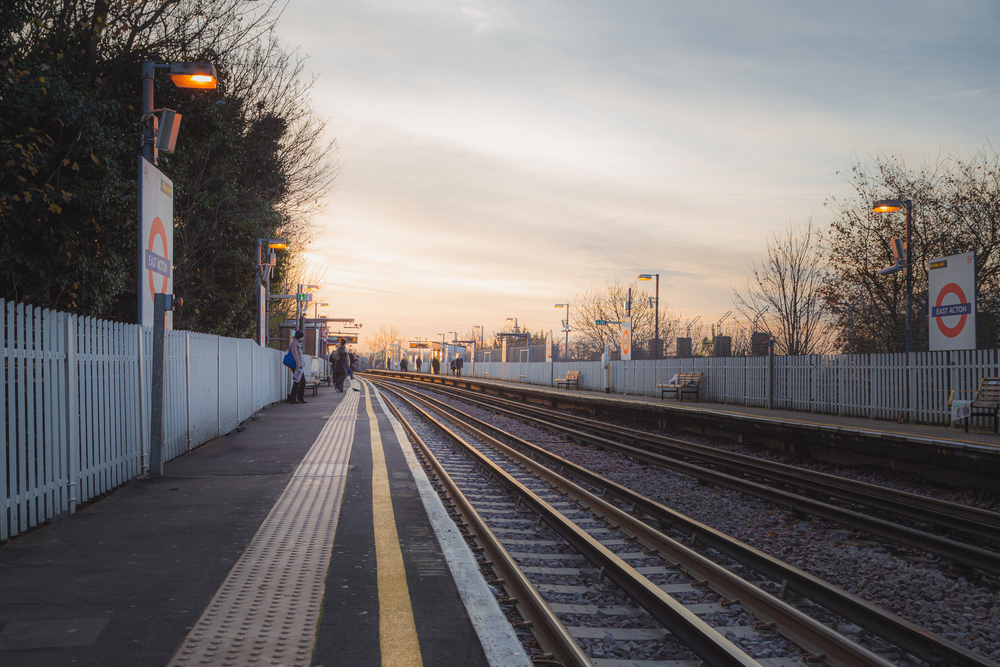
(75, 396)
(876, 386)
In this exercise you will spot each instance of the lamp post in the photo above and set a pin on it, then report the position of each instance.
(565, 327)
(264, 271)
(300, 307)
(198, 75)
(316, 308)
(514, 320)
(656, 312)
(904, 262)
(480, 327)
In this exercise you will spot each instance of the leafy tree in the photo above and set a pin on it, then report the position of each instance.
(249, 163)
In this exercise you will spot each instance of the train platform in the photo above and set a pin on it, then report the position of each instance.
(312, 537)
(946, 454)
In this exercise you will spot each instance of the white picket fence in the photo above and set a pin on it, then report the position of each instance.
(75, 420)
(876, 386)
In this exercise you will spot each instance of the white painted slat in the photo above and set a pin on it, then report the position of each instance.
(6, 422)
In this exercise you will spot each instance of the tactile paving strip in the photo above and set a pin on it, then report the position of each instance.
(267, 611)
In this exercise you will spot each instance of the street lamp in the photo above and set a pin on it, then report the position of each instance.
(316, 308)
(903, 258)
(514, 320)
(161, 136)
(656, 334)
(565, 327)
(264, 271)
(198, 75)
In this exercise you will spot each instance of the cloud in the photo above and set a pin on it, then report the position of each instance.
(502, 157)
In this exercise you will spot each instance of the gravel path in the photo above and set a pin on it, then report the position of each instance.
(966, 611)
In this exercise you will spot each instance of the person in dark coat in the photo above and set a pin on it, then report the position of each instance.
(416, 362)
(342, 362)
(403, 366)
(459, 364)
(435, 365)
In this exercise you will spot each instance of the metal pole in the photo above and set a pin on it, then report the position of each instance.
(656, 334)
(909, 314)
(156, 397)
(299, 303)
(909, 282)
(260, 325)
(566, 351)
(148, 137)
(267, 307)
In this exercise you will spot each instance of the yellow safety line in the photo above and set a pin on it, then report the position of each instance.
(397, 630)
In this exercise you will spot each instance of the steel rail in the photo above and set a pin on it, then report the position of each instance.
(942, 513)
(945, 514)
(914, 639)
(965, 554)
(795, 625)
(551, 634)
(690, 630)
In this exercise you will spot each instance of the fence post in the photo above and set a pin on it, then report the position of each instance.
(218, 386)
(187, 383)
(143, 431)
(157, 387)
(768, 392)
(72, 415)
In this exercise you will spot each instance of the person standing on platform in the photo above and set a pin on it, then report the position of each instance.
(435, 365)
(341, 367)
(403, 366)
(416, 362)
(353, 359)
(459, 364)
(298, 392)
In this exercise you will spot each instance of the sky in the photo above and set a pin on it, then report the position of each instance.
(500, 157)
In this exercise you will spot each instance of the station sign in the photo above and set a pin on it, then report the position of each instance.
(952, 302)
(627, 339)
(349, 339)
(156, 240)
(420, 344)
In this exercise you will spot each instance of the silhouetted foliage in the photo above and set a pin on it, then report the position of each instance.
(250, 161)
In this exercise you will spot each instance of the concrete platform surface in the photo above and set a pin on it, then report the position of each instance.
(157, 572)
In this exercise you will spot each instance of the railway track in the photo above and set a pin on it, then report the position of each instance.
(825, 496)
(602, 539)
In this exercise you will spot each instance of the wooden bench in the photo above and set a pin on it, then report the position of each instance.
(686, 383)
(986, 402)
(312, 382)
(572, 378)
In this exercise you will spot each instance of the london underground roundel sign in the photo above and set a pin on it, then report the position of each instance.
(952, 302)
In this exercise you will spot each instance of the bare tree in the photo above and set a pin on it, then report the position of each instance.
(385, 335)
(956, 208)
(788, 282)
(608, 303)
